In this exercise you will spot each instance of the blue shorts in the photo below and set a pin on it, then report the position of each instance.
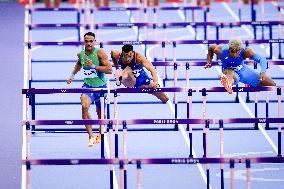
(247, 75)
(142, 79)
(95, 97)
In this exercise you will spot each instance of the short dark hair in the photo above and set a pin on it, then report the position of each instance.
(90, 33)
(127, 48)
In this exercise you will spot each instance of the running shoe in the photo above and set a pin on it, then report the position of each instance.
(226, 84)
(98, 138)
(91, 142)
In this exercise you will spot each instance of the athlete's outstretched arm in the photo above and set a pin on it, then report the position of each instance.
(213, 49)
(257, 58)
(115, 56)
(77, 68)
(149, 66)
(105, 66)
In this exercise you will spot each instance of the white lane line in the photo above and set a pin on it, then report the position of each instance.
(180, 13)
(246, 27)
(185, 136)
(246, 154)
(256, 173)
(108, 153)
(181, 127)
(237, 18)
(25, 86)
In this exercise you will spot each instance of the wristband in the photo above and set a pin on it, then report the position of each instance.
(72, 75)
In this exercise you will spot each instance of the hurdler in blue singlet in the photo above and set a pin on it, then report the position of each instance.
(138, 71)
(244, 73)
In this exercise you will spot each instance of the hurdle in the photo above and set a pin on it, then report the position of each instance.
(85, 22)
(80, 18)
(83, 9)
(154, 42)
(189, 128)
(170, 62)
(145, 43)
(190, 160)
(218, 26)
(162, 161)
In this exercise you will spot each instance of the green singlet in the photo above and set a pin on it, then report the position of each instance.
(91, 76)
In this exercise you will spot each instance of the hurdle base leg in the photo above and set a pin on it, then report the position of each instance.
(247, 98)
(237, 100)
(267, 126)
(33, 129)
(256, 126)
(176, 127)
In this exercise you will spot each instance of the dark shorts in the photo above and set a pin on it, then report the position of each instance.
(95, 97)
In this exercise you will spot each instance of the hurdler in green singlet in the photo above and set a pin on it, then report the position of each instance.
(91, 76)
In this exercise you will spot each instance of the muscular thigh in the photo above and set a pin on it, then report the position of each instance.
(86, 100)
(126, 72)
(249, 76)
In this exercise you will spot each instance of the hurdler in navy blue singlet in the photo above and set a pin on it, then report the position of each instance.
(138, 71)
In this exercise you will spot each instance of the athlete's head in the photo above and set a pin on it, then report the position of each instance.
(89, 39)
(127, 52)
(235, 47)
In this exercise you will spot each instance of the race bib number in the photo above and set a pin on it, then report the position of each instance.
(238, 68)
(136, 73)
(91, 73)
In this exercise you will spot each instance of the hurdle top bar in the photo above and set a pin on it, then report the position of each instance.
(148, 90)
(192, 42)
(202, 63)
(154, 161)
(120, 8)
(69, 122)
(157, 25)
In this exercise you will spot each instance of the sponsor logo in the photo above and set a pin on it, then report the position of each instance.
(118, 9)
(151, 90)
(276, 40)
(165, 121)
(205, 41)
(184, 161)
(241, 89)
(259, 23)
(74, 161)
(125, 24)
(132, 42)
(69, 122)
(262, 120)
